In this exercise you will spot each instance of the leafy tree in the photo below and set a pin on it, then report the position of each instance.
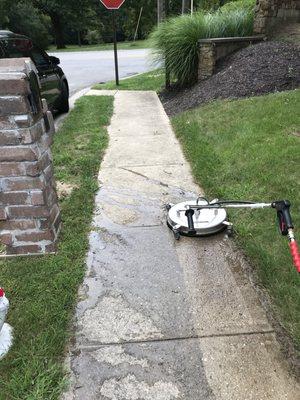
(27, 20)
(60, 12)
(71, 18)
(211, 5)
(129, 16)
(22, 17)
(4, 11)
(185, 6)
(93, 37)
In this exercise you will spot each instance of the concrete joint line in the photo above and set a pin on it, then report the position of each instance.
(145, 135)
(145, 226)
(176, 339)
(146, 165)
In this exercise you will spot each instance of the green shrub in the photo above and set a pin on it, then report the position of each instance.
(93, 37)
(238, 5)
(175, 41)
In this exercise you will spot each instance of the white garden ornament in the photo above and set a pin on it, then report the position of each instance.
(5, 329)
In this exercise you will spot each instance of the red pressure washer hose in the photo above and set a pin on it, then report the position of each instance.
(294, 251)
(287, 228)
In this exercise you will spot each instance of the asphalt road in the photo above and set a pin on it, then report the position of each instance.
(86, 68)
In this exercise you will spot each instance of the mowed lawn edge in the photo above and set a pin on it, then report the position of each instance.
(152, 80)
(43, 290)
(249, 149)
(128, 45)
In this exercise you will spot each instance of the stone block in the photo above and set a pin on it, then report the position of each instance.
(6, 238)
(28, 249)
(7, 122)
(19, 153)
(22, 183)
(33, 133)
(28, 212)
(13, 105)
(23, 121)
(10, 137)
(35, 236)
(15, 198)
(12, 169)
(3, 214)
(20, 224)
(22, 66)
(32, 168)
(14, 84)
(37, 198)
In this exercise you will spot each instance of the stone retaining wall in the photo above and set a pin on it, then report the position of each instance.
(214, 49)
(271, 13)
(29, 213)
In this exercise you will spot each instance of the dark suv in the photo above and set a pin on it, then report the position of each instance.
(55, 88)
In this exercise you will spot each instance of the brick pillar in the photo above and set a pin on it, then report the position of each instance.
(264, 11)
(29, 213)
(207, 61)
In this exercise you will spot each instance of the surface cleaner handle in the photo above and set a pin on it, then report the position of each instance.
(189, 214)
(295, 254)
(284, 217)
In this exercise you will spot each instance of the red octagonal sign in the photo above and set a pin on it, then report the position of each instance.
(112, 4)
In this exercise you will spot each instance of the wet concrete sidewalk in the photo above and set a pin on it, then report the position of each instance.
(161, 319)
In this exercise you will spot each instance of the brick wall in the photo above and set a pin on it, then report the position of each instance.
(29, 213)
(271, 13)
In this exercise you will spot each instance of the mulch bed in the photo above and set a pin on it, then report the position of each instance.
(264, 68)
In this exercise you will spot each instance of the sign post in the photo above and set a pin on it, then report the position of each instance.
(114, 5)
(116, 48)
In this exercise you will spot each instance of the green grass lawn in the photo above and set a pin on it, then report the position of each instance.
(138, 44)
(153, 80)
(43, 290)
(250, 150)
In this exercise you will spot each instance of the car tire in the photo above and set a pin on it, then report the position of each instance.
(63, 106)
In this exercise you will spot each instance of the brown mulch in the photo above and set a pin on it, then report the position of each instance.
(263, 68)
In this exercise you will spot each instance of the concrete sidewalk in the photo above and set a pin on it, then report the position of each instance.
(160, 319)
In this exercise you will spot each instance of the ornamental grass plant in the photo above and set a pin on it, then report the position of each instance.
(175, 41)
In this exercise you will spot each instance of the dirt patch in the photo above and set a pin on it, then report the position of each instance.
(64, 189)
(296, 134)
(256, 70)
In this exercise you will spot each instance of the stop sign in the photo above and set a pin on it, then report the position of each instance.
(112, 4)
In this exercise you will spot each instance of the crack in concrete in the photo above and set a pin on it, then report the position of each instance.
(146, 177)
(181, 191)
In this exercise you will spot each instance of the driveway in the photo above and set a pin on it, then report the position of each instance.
(85, 68)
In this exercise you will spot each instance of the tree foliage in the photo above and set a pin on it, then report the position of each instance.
(72, 20)
(24, 18)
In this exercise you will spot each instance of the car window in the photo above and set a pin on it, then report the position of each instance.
(15, 48)
(40, 59)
